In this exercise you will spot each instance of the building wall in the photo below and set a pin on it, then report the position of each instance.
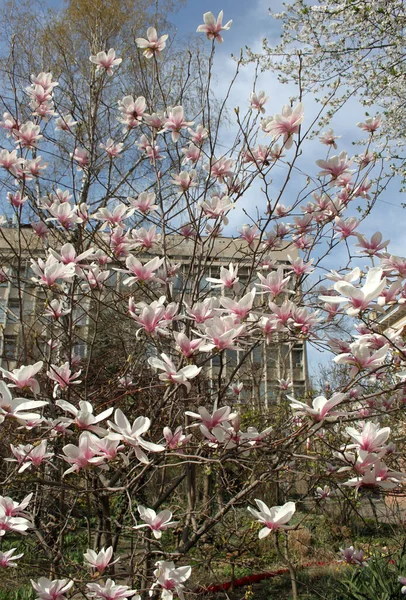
(22, 303)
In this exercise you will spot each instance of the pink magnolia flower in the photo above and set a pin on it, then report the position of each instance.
(371, 438)
(144, 203)
(273, 518)
(345, 227)
(228, 277)
(106, 61)
(257, 101)
(218, 416)
(112, 148)
(202, 311)
(177, 439)
(16, 407)
(40, 229)
(153, 45)
(10, 161)
(329, 139)
(132, 111)
(352, 556)
(274, 283)
(28, 135)
(221, 333)
(171, 375)
(154, 318)
(299, 267)
(170, 579)
(220, 168)
(186, 346)
(8, 558)
(241, 308)
(114, 217)
(24, 377)
(175, 121)
(157, 523)
(65, 123)
(212, 27)
(145, 238)
(82, 157)
(320, 409)
(286, 124)
(29, 455)
(249, 233)
(199, 135)
(10, 124)
(140, 272)
(191, 153)
(131, 434)
(361, 357)
(185, 180)
(334, 166)
(48, 589)
(216, 207)
(84, 417)
(371, 124)
(111, 591)
(63, 376)
(358, 299)
(84, 455)
(373, 245)
(100, 560)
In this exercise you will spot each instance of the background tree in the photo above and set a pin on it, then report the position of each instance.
(355, 48)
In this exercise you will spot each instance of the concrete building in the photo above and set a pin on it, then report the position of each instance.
(22, 303)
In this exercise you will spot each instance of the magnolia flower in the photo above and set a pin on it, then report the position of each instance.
(84, 455)
(153, 45)
(170, 374)
(8, 557)
(156, 522)
(111, 591)
(286, 124)
(176, 439)
(175, 121)
(370, 439)
(352, 556)
(100, 560)
(29, 455)
(170, 579)
(84, 417)
(361, 357)
(112, 148)
(228, 277)
(358, 299)
(218, 416)
(23, 377)
(16, 407)
(105, 61)
(48, 589)
(131, 434)
(320, 408)
(257, 101)
(273, 518)
(212, 27)
(329, 139)
(63, 376)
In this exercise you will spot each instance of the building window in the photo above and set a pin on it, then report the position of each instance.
(13, 313)
(10, 347)
(297, 357)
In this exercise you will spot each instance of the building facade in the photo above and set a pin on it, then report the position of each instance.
(25, 330)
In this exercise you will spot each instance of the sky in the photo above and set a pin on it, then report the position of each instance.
(251, 24)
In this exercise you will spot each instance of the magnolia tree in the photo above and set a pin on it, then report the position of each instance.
(122, 426)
